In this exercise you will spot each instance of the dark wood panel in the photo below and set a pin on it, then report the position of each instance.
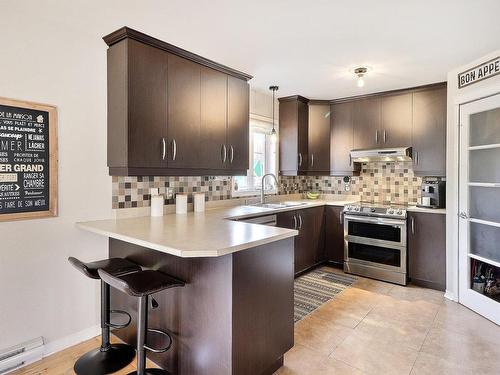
(213, 119)
(427, 249)
(366, 123)
(238, 127)
(429, 132)
(117, 74)
(341, 138)
(334, 235)
(127, 32)
(196, 315)
(319, 138)
(184, 80)
(293, 138)
(309, 245)
(396, 123)
(175, 172)
(263, 283)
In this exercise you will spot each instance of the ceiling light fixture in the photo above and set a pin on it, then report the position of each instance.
(273, 134)
(360, 72)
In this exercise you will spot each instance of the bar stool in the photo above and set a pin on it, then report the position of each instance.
(109, 357)
(142, 285)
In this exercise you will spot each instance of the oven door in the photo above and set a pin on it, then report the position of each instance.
(375, 242)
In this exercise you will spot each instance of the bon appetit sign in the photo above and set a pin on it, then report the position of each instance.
(480, 72)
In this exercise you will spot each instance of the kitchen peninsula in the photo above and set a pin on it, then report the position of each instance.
(235, 315)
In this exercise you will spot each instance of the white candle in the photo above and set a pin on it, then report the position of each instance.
(181, 201)
(199, 202)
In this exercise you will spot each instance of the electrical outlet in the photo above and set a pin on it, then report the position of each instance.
(169, 193)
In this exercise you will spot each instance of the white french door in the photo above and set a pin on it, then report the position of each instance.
(479, 204)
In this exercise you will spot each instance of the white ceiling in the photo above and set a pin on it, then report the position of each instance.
(308, 47)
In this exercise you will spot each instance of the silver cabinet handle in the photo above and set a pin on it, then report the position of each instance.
(300, 221)
(300, 159)
(232, 154)
(164, 152)
(350, 159)
(385, 136)
(294, 222)
(418, 157)
(412, 219)
(340, 216)
(312, 160)
(223, 153)
(376, 136)
(174, 149)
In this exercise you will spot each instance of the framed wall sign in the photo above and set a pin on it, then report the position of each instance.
(480, 72)
(28, 160)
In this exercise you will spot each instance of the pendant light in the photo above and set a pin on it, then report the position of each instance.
(273, 134)
(360, 72)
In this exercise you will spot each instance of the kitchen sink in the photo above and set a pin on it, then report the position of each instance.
(279, 204)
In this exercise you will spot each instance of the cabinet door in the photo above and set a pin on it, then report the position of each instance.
(367, 123)
(429, 132)
(238, 127)
(319, 138)
(341, 138)
(311, 239)
(289, 220)
(213, 119)
(334, 231)
(147, 104)
(427, 249)
(183, 113)
(396, 113)
(293, 136)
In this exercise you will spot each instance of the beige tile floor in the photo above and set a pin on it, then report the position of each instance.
(379, 328)
(369, 328)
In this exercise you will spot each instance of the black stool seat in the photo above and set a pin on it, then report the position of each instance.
(114, 266)
(140, 284)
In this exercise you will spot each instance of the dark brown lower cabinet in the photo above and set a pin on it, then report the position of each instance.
(309, 244)
(334, 235)
(427, 249)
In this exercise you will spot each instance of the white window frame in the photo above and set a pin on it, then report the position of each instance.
(262, 125)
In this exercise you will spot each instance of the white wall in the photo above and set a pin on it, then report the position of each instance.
(52, 52)
(456, 97)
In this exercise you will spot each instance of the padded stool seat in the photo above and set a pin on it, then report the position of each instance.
(141, 285)
(114, 266)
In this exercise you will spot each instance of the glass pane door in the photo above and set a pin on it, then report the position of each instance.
(479, 207)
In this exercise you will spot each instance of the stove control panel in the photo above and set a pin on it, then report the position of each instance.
(375, 211)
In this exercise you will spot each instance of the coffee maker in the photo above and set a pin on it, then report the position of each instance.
(433, 193)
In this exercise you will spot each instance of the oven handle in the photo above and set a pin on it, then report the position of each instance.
(375, 220)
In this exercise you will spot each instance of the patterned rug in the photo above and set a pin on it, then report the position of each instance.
(317, 287)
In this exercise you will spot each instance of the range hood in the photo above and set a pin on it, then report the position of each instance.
(382, 154)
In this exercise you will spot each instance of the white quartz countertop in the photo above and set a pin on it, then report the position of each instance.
(212, 233)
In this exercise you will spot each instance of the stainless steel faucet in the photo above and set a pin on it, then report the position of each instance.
(262, 198)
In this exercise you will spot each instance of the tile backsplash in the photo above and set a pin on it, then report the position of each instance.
(378, 182)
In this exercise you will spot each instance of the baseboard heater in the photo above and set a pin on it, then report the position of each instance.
(21, 355)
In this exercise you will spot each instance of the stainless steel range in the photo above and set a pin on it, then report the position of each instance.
(375, 241)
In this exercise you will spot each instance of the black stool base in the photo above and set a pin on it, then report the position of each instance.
(152, 371)
(97, 362)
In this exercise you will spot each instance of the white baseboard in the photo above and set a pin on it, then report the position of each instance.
(76, 338)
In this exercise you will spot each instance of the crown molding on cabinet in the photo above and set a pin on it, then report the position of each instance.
(127, 32)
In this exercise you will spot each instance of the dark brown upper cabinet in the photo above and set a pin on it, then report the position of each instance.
(396, 120)
(293, 135)
(429, 132)
(319, 138)
(184, 98)
(213, 119)
(366, 123)
(171, 112)
(238, 132)
(342, 139)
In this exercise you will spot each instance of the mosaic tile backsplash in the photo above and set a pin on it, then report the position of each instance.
(378, 182)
